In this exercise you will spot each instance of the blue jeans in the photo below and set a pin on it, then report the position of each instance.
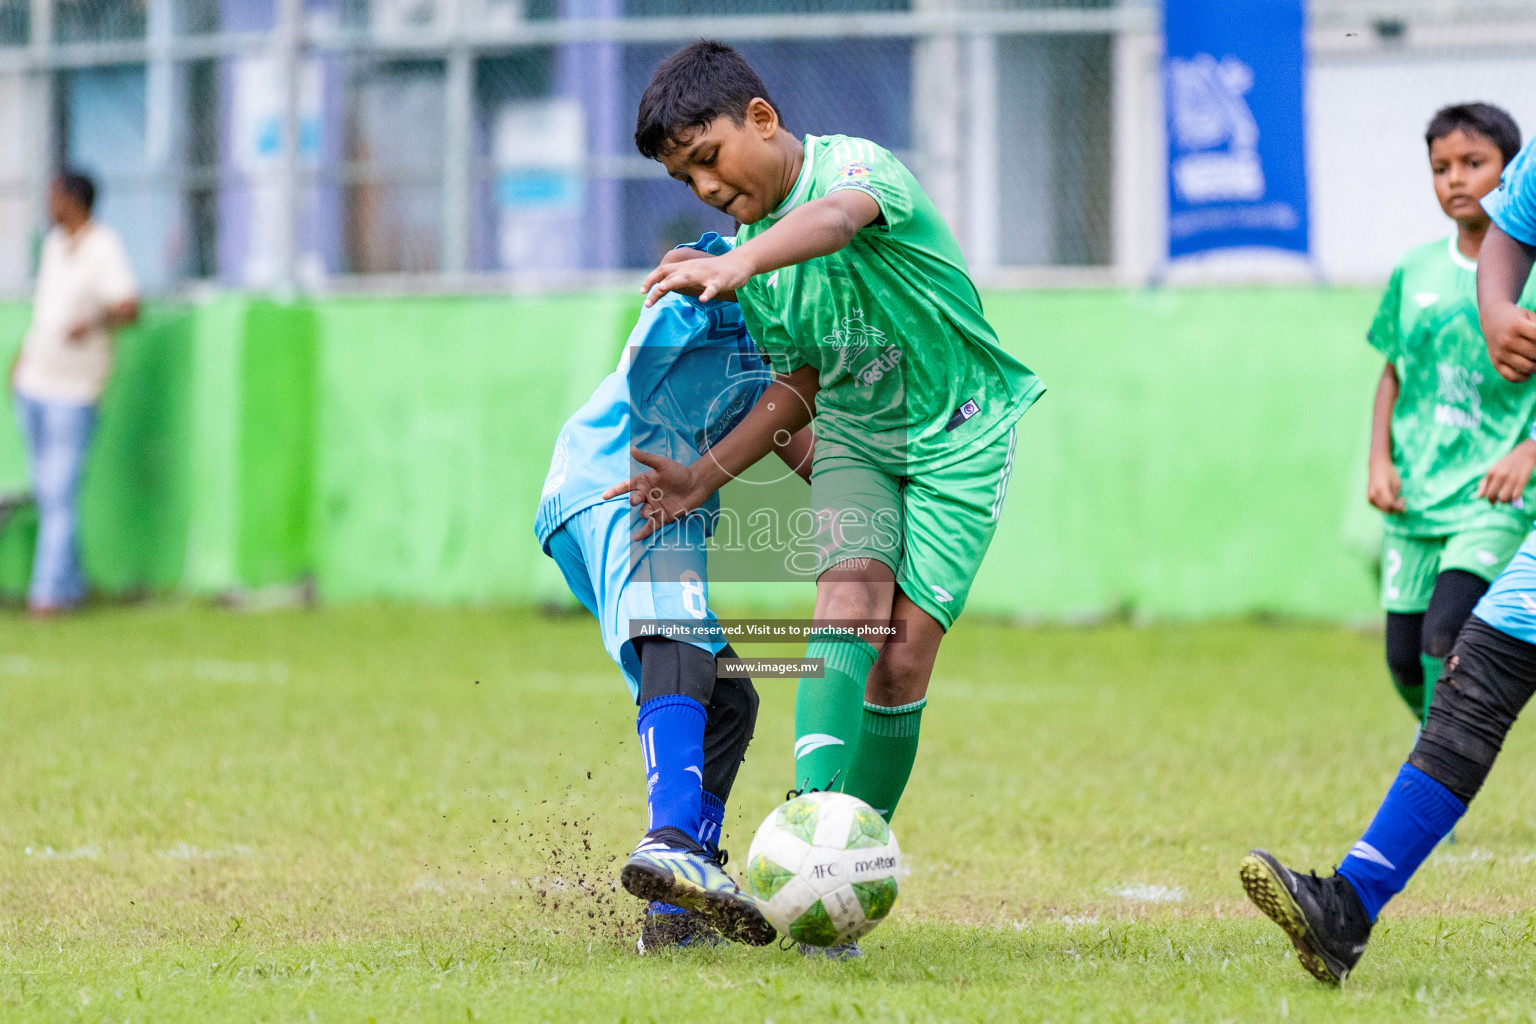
(58, 435)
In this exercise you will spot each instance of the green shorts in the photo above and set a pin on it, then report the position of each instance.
(1409, 565)
(931, 529)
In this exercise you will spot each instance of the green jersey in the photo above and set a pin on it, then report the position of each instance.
(1455, 416)
(910, 371)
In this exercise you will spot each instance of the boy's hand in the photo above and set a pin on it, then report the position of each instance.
(1384, 489)
(1512, 341)
(817, 228)
(669, 491)
(1506, 481)
(714, 277)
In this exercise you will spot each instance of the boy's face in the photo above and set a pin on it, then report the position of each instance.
(739, 169)
(1466, 167)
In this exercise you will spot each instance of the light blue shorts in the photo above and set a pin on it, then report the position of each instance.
(1510, 604)
(620, 580)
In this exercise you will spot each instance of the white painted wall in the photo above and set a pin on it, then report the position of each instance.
(1371, 193)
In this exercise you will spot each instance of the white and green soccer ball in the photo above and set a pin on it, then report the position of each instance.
(824, 868)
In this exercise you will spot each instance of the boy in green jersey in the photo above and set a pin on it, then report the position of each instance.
(854, 287)
(1443, 417)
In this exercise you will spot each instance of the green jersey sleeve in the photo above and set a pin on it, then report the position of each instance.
(772, 338)
(1385, 334)
(862, 166)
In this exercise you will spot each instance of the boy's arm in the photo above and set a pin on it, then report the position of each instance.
(1503, 266)
(817, 228)
(671, 490)
(1384, 486)
(797, 452)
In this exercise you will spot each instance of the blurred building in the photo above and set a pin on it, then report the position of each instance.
(469, 144)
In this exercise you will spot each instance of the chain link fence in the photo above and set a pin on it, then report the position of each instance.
(464, 144)
(1378, 73)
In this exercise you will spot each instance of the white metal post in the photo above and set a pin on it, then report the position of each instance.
(457, 134)
(938, 107)
(164, 119)
(982, 174)
(42, 132)
(288, 38)
(42, 25)
(159, 105)
(1137, 138)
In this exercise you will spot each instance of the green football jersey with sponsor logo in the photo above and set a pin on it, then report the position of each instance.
(910, 370)
(1455, 416)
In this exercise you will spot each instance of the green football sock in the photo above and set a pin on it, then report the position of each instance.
(1432, 667)
(1413, 696)
(882, 761)
(827, 709)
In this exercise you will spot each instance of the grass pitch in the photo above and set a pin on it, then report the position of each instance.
(390, 814)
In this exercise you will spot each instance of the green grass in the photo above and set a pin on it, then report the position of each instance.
(393, 814)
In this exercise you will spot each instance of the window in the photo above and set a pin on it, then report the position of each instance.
(15, 22)
(1053, 96)
(393, 176)
(96, 21)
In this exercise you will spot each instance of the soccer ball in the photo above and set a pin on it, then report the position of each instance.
(823, 868)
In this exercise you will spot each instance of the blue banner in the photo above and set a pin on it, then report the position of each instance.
(1237, 163)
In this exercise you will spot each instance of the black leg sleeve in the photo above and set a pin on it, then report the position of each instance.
(1403, 638)
(1487, 680)
(1450, 606)
(670, 666)
(732, 720)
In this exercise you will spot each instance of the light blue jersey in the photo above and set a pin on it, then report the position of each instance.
(1510, 604)
(1512, 206)
(688, 375)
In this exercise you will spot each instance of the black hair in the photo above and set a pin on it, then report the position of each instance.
(697, 84)
(78, 187)
(1484, 119)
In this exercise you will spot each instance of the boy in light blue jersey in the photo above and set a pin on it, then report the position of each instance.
(1510, 605)
(688, 374)
(1487, 679)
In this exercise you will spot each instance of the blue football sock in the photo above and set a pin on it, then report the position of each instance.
(657, 907)
(711, 817)
(1415, 816)
(672, 745)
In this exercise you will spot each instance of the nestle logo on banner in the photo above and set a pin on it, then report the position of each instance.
(1234, 74)
(1209, 110)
